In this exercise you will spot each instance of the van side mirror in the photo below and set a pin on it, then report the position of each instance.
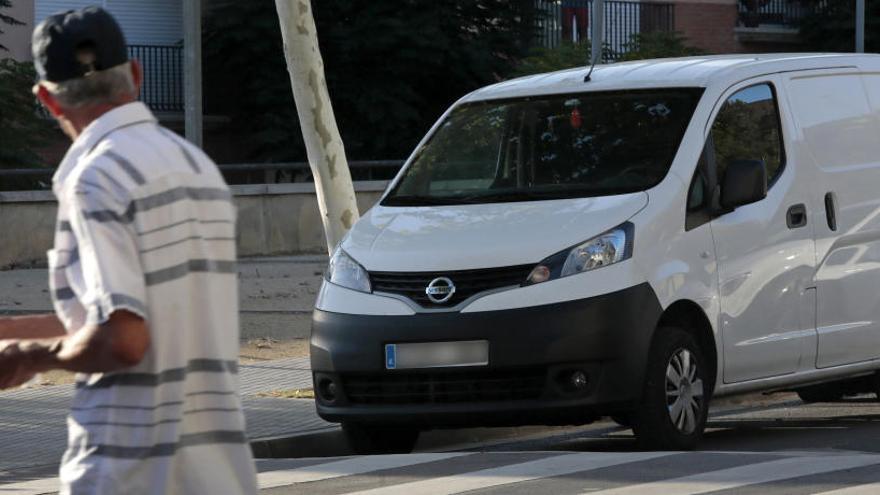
(745, 182)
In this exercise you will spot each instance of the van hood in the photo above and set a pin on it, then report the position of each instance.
(465, 237)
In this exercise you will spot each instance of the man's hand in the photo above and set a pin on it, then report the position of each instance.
(121, 342)
(15, 366)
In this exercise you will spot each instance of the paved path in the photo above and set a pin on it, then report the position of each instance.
(555, 473)
(33, 428)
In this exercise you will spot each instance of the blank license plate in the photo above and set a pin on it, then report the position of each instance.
(436, 354)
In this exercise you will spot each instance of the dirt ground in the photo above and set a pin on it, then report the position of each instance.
(252, 351)
(266, 349)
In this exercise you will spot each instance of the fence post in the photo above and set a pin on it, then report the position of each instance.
(860, 26)
(598, 31)
(192, 71)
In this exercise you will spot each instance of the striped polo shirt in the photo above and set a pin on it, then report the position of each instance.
(146, 224)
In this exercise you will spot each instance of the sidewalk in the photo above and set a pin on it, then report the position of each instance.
(33, 427)
(277, 296)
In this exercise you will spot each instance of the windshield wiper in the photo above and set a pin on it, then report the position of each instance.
(511, 196)
(419, 200)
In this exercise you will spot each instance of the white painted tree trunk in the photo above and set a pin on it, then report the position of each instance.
(326, 154)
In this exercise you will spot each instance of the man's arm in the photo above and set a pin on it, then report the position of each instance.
(31, 327)
(119, 343)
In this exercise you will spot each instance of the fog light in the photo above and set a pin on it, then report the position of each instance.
(327, 390)
(578, 380)
(539, 274)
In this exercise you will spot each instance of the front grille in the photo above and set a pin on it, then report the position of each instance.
(444, 387)
(467, 282)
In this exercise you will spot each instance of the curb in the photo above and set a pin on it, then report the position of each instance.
(328, 442)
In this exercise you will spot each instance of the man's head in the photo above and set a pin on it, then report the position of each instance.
(82, 60)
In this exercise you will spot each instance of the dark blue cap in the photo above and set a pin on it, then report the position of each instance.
(72, 44)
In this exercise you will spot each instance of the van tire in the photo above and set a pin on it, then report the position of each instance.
(826, 392)
(371, 439)
(674, 352)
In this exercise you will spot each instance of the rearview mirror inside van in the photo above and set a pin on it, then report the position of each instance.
(745, 182)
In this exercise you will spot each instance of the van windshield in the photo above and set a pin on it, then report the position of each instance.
(549, 147)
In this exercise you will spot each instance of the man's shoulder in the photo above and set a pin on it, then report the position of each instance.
(142, 155)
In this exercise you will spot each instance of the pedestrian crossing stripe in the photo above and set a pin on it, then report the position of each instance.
(869, 489)
(33, 487)
(558, 465)
(750, 474)
(346, 467)
(503, 470)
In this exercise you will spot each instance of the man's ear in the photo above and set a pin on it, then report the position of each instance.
(137, 74)
(47, 100)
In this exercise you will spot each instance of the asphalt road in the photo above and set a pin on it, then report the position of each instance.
(763, 445)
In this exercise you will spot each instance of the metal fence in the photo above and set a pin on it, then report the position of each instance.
(561, 21)
(162, 89)
(19, 179)
(777, 13)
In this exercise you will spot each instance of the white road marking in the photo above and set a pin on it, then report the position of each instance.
(750, 474)
(869, 489)
(33, 487)
(346, 467)
(515, 473)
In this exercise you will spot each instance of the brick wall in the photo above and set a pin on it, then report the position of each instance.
(708, 24)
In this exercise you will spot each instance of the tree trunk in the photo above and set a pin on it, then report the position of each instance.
(326, 154)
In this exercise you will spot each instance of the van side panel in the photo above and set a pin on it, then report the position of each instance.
(841, 134)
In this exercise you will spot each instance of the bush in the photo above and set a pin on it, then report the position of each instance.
(392, 68)
(565, 56)
(23, 128)
(658, 44)
(830, 27)
(571, 55)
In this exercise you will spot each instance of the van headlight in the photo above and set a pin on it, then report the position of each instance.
(346, 272)
(605, 249)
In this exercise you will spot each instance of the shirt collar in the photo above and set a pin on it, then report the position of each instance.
(121, 116)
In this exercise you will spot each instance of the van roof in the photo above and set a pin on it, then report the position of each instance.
(700, 71)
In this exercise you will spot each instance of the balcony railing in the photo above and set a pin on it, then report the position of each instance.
(162, 89)
(774, 13)
(569, 21)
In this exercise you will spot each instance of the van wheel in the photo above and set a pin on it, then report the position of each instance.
(826, 392)
(370, 439)
(675, 400)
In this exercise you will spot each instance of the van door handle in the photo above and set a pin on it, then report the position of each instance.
(830, 212)
(797, 216)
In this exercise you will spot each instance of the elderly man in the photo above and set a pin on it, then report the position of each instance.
(143, 280)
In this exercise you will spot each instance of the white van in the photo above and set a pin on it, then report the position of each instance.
(558, 250)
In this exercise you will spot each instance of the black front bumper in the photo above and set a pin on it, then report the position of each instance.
(532, 355)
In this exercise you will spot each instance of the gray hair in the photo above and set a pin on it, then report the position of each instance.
(99, 87)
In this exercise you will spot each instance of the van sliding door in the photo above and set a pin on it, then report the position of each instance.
(837, 116)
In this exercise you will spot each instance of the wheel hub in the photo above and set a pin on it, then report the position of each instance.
(684, 391)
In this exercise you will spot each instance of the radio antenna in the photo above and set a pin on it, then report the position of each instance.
(592, 66)
(598, 34)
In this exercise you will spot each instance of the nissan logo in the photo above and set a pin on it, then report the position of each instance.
(440, 290)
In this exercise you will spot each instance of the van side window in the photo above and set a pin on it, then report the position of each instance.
(748, 128)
